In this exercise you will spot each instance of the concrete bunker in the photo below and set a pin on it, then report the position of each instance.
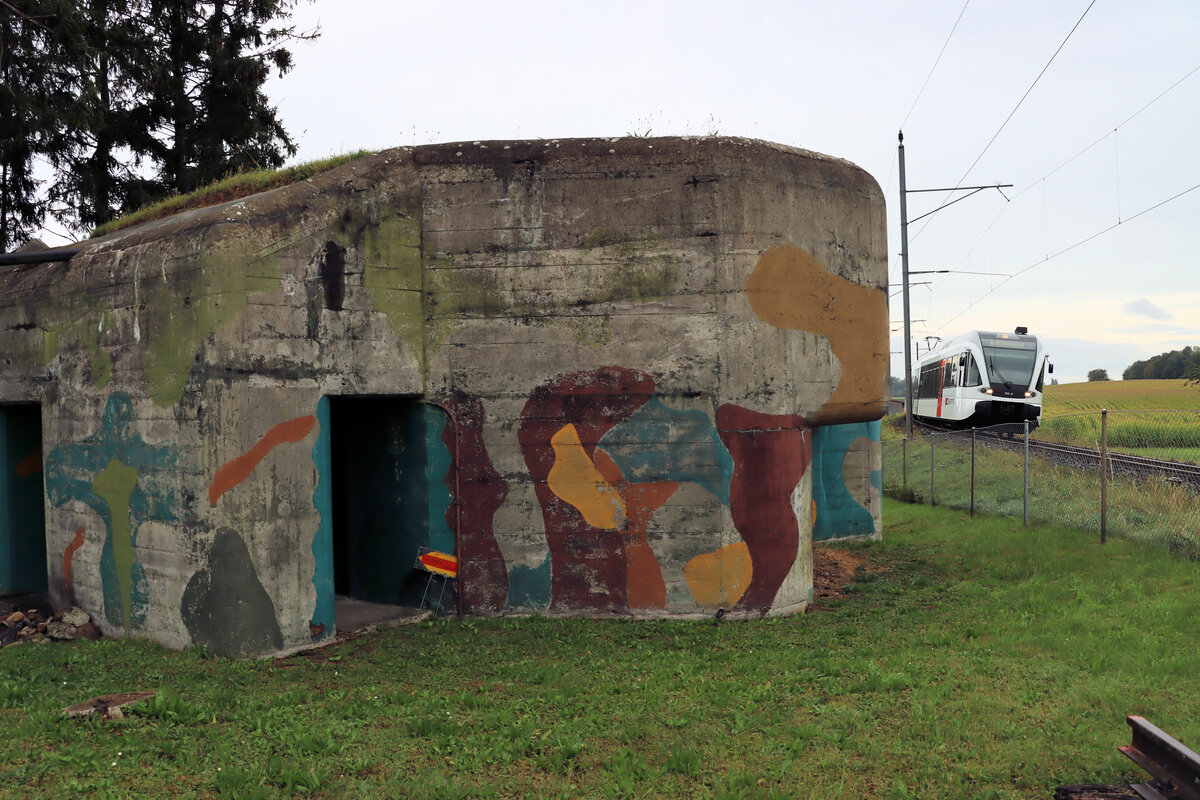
(593, 370)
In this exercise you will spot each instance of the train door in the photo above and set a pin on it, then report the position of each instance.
(949, 377)
(941, 386)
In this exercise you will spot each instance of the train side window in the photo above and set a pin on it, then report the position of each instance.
(972, 374)
(928, 386)
(951, 374)
(1041, 378)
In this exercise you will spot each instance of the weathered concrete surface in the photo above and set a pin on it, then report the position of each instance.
(848, 481)
(631, 342)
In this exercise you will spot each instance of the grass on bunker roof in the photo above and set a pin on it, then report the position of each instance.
(231, 187)
(968, 659)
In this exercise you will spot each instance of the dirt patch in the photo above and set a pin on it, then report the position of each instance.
(833, 569)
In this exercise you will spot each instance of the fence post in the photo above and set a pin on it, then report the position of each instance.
(972, 472)
(1025, 505)
(931, 469)
(1103, 475)
(904, 461)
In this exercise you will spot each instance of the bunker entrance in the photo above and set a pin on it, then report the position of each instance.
(22, 507)
(389, 501)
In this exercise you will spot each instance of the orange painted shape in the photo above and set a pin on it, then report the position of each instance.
(237, 470)
(30, 464)
(69, 557)
(718, 579)
(644, 579)
(645, 586)
(789, 288)
(575, 480)
(441, 563)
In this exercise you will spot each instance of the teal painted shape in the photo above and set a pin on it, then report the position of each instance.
(529, 588)
(324, 613)
(438, 463)
(659, 443)
(22, 501)
(71, 471)
(876, 434)
(839, 513)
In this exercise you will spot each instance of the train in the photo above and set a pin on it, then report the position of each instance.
(982, 378)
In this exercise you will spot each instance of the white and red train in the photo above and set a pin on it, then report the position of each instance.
(981, 378)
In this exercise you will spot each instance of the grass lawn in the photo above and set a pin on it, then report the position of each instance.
(969, 659)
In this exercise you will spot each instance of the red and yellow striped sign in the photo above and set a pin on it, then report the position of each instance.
(439, 563)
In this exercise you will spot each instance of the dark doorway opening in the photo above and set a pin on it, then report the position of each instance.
(22, 501)
(388, 500)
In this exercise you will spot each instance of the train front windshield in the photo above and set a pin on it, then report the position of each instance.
(1009, 361)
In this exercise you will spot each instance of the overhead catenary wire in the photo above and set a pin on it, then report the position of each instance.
(936, 61)
(921, 91)
(1042, 181)
(1012, 113)
(1069, 248)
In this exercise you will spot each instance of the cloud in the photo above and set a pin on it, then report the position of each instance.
(1151, 328)
(1145, 308)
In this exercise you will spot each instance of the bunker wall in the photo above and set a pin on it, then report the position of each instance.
(596, 369)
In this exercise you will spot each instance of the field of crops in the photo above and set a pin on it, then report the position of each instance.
(1069, 398)
(1157, 419)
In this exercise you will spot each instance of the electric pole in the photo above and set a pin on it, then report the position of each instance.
(904, 190)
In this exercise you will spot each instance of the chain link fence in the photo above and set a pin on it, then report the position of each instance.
(1133, 474)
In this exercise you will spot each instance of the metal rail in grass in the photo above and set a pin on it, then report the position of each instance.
(1174, 765)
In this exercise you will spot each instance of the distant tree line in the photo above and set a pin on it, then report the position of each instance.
(123, 102)
(1175, 364)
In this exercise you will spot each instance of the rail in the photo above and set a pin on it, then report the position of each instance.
(1123, 463)
(1176, 767)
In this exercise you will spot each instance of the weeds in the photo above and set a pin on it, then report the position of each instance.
(973, 658)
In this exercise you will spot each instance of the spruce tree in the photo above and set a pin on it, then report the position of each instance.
(128, 101)
(214, 117)
(31, 90)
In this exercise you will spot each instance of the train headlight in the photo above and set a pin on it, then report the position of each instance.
(986, 390)
(1029, 394)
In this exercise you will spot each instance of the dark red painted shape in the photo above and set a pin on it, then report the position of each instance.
(770, 454)
(588, 565)
(477, 490)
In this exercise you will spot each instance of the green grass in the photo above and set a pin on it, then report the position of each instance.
(234, 187)
(971, 659)
(1152, 510)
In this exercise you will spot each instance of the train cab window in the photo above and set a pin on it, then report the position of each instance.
(1008, 360)
(971, 374)
(928, 385)
(1041, 378)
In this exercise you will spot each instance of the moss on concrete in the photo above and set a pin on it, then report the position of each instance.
(204, 290)
(78, 320)
(393, 275)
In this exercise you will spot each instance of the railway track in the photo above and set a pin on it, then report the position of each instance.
(1011, 437)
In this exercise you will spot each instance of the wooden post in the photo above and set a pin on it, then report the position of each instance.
(1103, 475)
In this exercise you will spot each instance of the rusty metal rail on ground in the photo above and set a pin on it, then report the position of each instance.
(1176, 767)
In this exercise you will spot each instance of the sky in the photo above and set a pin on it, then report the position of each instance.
(1089, 108)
